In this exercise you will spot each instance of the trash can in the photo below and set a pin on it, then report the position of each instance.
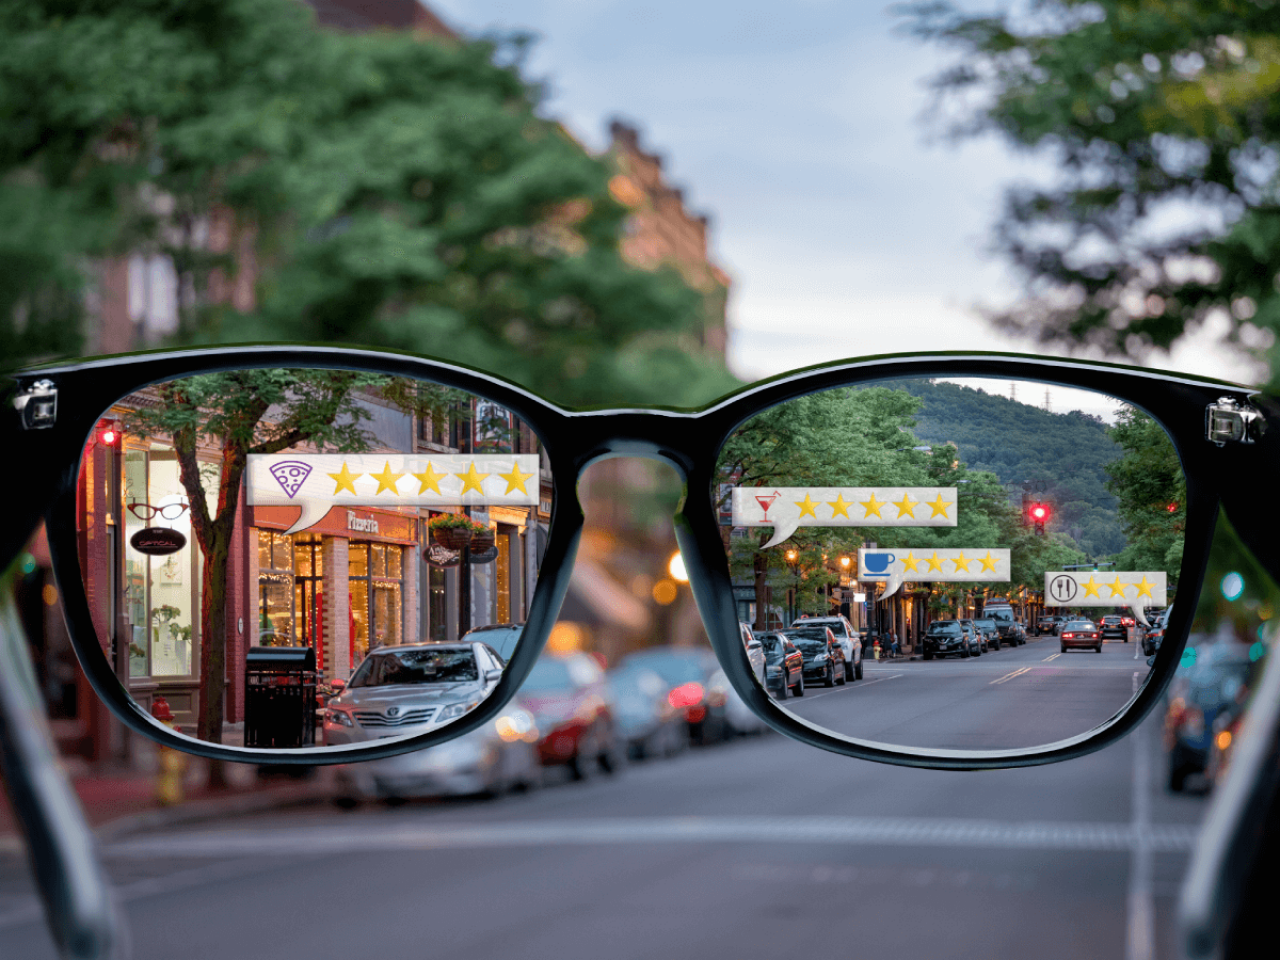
(280, 697)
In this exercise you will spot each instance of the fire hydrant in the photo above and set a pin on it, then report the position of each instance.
(877, 649)
(172, 763)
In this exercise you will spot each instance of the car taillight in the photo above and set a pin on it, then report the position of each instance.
(1068, 636)
(685, 695)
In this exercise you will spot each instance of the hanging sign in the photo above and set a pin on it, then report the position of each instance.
(440, 556)
(157, 541)
(788, 508)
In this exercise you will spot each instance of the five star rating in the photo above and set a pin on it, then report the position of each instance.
(1092, 588)
(398, 479)
(844, 506)
(910, 564)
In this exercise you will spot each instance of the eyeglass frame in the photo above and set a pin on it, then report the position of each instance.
(158, 511)
(576, 438)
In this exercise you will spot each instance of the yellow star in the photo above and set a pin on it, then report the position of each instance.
(429, 480)
(386, 479)
(1091, 588)
(872, 506)
(934, 562)
(962, 563)
(807, 507)
(515, 479)
(344, 479)
(939, 506)
(988, 562)
(471, 480)
(906, 505)
(1144, 588)
(911, 563)
(1117, 588)
(840, 507)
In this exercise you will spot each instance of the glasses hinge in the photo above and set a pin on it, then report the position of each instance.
(37, 405)
(1231, 421)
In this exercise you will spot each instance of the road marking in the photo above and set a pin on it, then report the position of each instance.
(915, 832)
(852, 685)
(1141, 926)
(1054, 657)
(1010, 676)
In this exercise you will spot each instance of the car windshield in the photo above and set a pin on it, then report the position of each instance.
(986, 624)
(447, 665)
(809, 641)
(1080, 625)
(950, 627)
(1000, 614)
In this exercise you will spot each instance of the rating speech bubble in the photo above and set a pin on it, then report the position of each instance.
(319, 482)
(1134, 589)
(786, 509)
(901, 565)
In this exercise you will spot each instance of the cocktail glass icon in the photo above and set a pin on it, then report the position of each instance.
(766, 501)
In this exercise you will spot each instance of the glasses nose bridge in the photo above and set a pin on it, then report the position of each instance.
(666, 437)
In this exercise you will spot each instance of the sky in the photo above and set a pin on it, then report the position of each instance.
(849, 224)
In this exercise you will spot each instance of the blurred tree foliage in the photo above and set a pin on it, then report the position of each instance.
(396, 192)
(1163, 120)
(1148, 480)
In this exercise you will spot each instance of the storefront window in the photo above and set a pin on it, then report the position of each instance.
(375, 581)
(503, 565)
(308, 595)
(275, 589)
(162, 593)
(437, 609)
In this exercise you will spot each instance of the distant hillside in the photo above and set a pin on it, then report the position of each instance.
(1064, 452)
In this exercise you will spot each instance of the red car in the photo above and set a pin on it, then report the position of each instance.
(570, 701)
(1080, 634)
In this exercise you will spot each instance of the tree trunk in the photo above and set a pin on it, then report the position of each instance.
(213, 630)
(762, 594)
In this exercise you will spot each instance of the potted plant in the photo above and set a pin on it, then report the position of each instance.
(482, 539)
(453, 531)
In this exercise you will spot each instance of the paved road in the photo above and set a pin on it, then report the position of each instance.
(1014, 697)
(757, 849)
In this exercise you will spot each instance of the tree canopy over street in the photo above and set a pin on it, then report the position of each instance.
(393, 191)
(1163, 123)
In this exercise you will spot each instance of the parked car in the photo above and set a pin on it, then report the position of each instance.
(990, 630)
(784, 666)
(500, 756)
(1154, 633)
(1206, 699)
(687, 671)
(410, 689)
(1080, 634)
(1006, 623)
(643, 715)
(823, 656)
(1112, 626)
(755, 652)
(740, 720)
(1047, 626)
(846, 636)
(502, 638)
(977, 640)
(946, 638)
(570, 700)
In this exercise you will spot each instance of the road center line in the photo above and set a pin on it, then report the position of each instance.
(1009, 676)
(1054, 657)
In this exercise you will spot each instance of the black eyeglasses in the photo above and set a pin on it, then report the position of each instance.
(885, 497)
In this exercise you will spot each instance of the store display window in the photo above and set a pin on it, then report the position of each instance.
(376, 584)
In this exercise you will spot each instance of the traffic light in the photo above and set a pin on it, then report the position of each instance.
(1039, 514)
(109, 433)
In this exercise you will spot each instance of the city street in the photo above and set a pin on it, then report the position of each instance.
(1015, 697)
(755, 849)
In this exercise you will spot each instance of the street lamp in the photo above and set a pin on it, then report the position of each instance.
(793, 559)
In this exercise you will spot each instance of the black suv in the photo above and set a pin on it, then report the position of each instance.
(946, 638)
(1112, 625)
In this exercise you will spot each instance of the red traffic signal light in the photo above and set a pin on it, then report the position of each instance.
(1172, 507)
(109, 433)
(1039, 512)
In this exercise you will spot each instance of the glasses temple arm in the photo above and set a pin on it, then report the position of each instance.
(79, 907)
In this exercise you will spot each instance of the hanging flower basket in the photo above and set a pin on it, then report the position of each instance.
(482, 540)
(453, 531)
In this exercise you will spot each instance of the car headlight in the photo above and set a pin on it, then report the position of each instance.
(455, 710)
(820, 658)
(339, 718)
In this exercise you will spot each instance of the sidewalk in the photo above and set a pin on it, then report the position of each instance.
(121, 800)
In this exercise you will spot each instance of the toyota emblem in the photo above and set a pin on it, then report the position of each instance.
(393, 711)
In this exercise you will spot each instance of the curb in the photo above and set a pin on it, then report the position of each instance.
(232, 804)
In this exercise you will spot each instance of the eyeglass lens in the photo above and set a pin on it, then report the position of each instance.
(376, 569)
(964, 564)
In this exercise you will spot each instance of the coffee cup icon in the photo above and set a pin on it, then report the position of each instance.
(877, 562)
